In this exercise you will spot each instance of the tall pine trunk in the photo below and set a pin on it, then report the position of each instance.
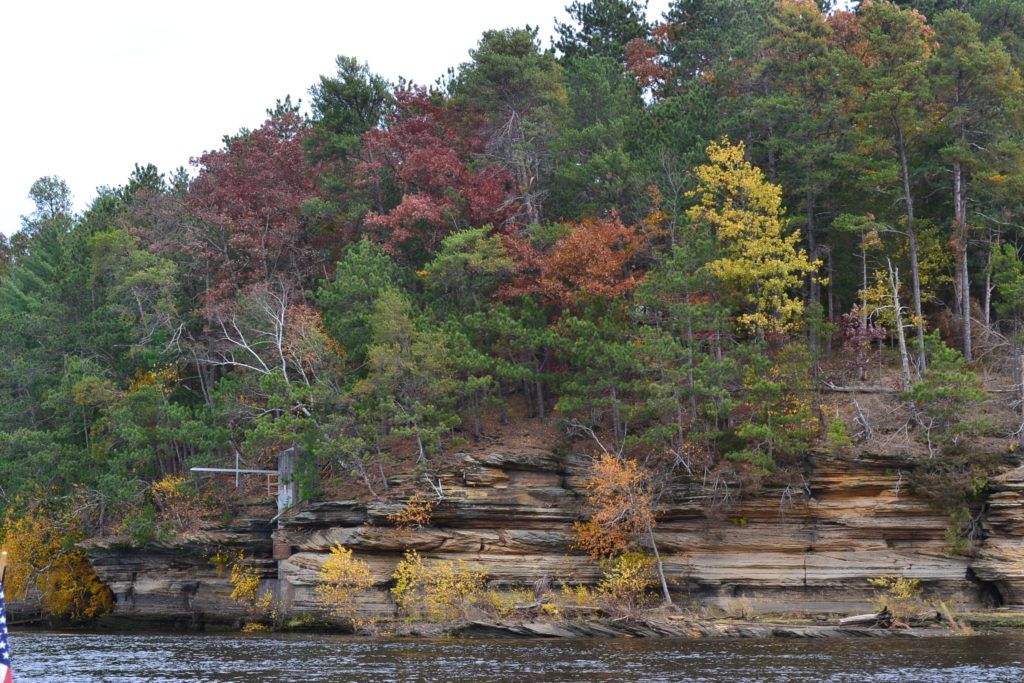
(960, 238)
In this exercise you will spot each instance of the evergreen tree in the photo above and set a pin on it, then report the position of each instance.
(602, 28)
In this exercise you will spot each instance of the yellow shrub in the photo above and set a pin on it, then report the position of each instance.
(628, 580)
(222, 558)
(626, 585)
(245, 582)
(579, 596)
(902, 596)
(442, 590)
(407, 576)
(342, 576)
(254, 627)
(503, 603)
(549, 609)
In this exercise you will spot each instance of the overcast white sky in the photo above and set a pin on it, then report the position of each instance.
(91, 88)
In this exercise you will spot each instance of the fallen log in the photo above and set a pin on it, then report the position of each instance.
(829, 386)
(540, 603)
(883, 619)
(860, 620)
(873, 389)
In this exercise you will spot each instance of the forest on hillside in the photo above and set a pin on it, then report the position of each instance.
(668, 239)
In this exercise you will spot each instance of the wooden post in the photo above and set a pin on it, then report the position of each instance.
(3, 566)
(287, 487)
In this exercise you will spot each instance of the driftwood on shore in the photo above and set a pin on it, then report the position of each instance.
(883, 619)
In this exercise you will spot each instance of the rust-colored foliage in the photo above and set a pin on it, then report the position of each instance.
(529, 262)
(417, 513)
(656, 225)
(307, 347)
(592, 261)
(621, 505)
(846, 32)
(646, 62)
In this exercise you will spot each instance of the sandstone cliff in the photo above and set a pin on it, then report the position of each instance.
(801, 551)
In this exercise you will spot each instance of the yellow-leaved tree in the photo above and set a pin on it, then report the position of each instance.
(43, 558)
(341, 578)
(761, 263)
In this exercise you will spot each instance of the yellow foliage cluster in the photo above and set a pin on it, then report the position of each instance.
(440, 590)
(418, 512)
(763, 265)
(877, 300)
(503, 603)
(901, 595)
(935, 262)
(245, 582)
(448, 590)
(166, 377)
(579, 596)
(221, 559)
(341, 577)
(177, 502)
(74, 590)
(627, 584)
(621, 504)
(629, 580)
(41, 555)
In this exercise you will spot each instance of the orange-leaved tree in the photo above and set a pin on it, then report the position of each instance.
(621, 499)
(592, 260)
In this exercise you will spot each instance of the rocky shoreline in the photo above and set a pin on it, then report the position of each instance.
(679, 629)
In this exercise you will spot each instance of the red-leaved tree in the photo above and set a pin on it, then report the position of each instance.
(246, 227)
(425, 149)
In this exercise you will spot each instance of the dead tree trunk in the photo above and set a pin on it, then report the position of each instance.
(894, 281)
(660, 566)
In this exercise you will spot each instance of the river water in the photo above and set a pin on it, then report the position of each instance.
(85, 658)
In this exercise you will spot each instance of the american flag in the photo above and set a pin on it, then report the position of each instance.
(5, 650)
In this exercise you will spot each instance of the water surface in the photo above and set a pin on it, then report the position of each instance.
(87, 658)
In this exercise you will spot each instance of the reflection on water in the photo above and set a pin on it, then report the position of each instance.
(84, 658)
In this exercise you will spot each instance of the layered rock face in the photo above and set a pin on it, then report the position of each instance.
(1001, 561)
(807, 550)
(180, 583)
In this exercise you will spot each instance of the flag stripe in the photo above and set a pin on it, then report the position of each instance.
(5, 651)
